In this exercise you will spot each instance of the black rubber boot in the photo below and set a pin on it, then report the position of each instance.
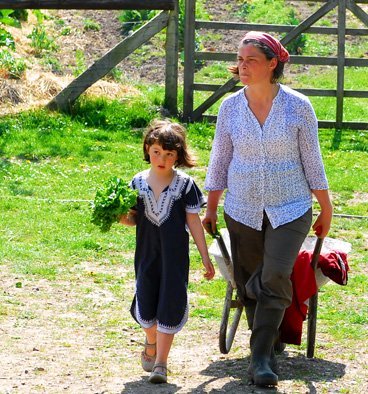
(265, 332)
(250, 309)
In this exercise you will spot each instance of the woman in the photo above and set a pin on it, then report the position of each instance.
(266, 154)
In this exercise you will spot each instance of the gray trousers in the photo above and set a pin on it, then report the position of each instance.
(263, 260)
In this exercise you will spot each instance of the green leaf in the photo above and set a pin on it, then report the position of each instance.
(7, 20)
(112, 200)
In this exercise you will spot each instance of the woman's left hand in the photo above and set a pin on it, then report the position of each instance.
(322, 224)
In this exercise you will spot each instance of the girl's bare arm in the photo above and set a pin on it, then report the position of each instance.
(196, 229)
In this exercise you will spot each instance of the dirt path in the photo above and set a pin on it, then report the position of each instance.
(57, 337)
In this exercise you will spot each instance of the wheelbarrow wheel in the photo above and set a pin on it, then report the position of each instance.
(231, 314)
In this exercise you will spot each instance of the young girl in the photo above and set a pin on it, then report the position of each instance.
(168, 203)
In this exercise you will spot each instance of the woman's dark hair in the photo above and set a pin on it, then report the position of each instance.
(170, 136)
(278, 71)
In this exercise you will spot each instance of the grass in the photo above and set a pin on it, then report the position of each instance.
(51, 165)
(75, 153)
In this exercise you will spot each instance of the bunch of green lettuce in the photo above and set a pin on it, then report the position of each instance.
(112, 200)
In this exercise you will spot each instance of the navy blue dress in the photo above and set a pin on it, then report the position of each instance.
(162, 252)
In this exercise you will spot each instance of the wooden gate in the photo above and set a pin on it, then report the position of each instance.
(292, 32)
(168, 18)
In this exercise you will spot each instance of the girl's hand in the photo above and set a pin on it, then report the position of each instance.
(129, 219)
(210, 269)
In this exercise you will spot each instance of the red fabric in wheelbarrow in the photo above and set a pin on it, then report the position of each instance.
(334, 265)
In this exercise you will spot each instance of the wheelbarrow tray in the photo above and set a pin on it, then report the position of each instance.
(221, 251)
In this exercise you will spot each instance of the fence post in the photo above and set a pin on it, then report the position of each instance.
(340, 63)
(189, 49)
(171, 71)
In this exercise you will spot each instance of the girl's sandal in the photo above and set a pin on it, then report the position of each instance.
(159, 373)
(148, 361)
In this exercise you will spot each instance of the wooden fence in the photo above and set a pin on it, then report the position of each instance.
(168, 18)
(89, 4)
(292, 32)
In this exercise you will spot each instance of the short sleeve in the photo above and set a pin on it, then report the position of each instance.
(194, 199)
(133, 186)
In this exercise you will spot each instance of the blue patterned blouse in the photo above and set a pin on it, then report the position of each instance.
(269, 168)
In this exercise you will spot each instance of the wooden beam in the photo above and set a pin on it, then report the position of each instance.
(189, 52)
(322, 124)
(340, 64)
(65, 99)
(309, 21)
(357, 11)
(89, 4)
(217, 25)
(225, 88)
(171, 70)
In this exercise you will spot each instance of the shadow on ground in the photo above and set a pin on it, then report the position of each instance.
(144, 387)
(296, 368)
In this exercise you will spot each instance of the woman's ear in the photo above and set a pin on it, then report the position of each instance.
(273, 63)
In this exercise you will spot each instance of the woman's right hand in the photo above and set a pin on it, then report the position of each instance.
(209, 222)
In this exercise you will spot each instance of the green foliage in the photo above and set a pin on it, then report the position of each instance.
(92, 25)
(52, 62)
(20, 15)
(40, 41)
(115, 74)
(10, 66)
(112, 200)
(201, 135)
(80, 63)
(116, 116)
(134, 19)
(296, 46)
(245, 9)
(40, 16)
(7, 17)
(6, 39)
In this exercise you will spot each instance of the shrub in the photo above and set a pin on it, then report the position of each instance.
(6, 39)
(10, 66)
(90, 24)
(40, 41)
(6, 18)
(134, 19)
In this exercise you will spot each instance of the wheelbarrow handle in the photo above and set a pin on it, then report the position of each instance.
(316, 253)
(220, 242)
(208, 228)
(313, 302)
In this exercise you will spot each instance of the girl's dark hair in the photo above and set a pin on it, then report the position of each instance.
(170, 136)
(278, 71)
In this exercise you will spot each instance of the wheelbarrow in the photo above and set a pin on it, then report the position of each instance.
(233, 307)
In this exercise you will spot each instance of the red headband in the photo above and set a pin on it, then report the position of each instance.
(275, 45)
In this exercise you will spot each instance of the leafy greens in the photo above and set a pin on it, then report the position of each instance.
(112, 200)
